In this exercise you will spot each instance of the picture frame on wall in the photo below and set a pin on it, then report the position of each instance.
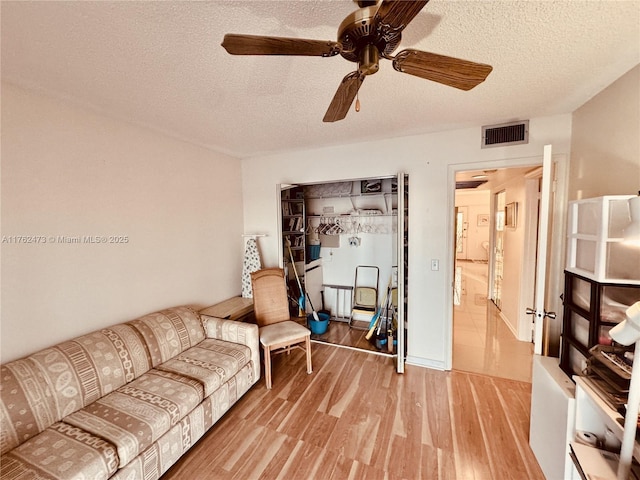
(483, 220)
(511, 215)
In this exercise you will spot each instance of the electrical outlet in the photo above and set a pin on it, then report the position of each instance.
(435, 264)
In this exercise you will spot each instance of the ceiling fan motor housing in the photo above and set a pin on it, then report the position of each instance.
(368, 62)
(364, 41)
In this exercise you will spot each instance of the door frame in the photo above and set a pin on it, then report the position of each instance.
(555, 272)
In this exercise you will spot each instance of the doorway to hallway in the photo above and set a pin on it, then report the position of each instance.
(485, 337)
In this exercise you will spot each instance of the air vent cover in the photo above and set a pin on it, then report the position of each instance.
(505, 134)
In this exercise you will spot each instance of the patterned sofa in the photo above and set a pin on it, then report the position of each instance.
(124, 402)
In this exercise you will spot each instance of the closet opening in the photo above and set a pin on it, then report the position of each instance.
(344, 249)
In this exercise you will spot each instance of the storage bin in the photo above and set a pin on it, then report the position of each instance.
(314, 252)
(595, 247)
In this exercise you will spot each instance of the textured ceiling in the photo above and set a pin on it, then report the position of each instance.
(160, 64)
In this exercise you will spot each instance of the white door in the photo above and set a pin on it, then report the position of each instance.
(538, 311)
(402, 242)
(462, 225)
(498, 248)
(552, 392)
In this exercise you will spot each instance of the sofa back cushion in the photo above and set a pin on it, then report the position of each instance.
(169, 332)
(43, 388)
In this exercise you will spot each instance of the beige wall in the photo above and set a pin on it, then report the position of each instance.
(605, 141)
(514, 240)
(67, 172)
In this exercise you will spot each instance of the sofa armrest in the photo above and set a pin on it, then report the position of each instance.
(236, 332)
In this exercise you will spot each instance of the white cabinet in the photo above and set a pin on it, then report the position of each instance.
(552, 417)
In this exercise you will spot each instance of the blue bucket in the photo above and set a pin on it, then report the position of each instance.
(318, 327)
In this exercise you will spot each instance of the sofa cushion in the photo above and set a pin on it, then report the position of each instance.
(137, 414)
(157, 459)
(236, 332)
(169, 332)
(212, 362)
(43, 388)
(60, 452)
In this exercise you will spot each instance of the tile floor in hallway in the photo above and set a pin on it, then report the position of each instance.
(482, 342)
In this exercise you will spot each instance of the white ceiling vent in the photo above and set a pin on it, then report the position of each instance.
(513, 133)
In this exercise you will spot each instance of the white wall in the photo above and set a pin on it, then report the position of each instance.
(67, 172)
(431, 161)
(605, 141)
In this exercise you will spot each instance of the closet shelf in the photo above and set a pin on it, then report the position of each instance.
(348, 215)
(348, 195)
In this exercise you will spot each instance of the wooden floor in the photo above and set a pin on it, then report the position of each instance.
(355, 418)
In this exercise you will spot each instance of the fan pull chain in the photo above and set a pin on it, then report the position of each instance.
(357, 103)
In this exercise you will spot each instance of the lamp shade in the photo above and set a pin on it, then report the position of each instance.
(628, 331)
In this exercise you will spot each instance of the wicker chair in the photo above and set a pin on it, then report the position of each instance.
(278, 333)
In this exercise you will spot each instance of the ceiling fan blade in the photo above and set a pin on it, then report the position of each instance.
(343, 98)
(451, 71)
(259, 45)
(398, 13)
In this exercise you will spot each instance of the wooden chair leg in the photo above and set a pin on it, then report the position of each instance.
(307, 345)
(267, 367)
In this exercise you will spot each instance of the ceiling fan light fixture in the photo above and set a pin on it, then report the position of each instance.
(484, 174)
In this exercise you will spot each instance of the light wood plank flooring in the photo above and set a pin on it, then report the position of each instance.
(355, 418)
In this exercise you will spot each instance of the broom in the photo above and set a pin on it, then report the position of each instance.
(376, 318)
(302, 293)
(313, 310)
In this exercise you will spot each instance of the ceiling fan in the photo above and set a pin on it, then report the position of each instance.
(371, 32)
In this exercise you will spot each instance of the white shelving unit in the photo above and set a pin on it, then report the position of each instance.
(602, 280)
(595, 416)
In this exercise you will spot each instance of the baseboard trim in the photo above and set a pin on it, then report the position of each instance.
(508, 324)
(425, 363)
